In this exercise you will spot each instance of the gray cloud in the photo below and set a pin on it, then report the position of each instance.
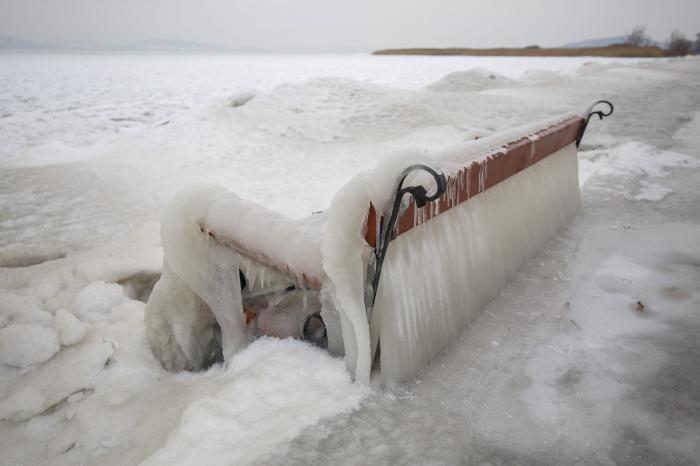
(324, 25)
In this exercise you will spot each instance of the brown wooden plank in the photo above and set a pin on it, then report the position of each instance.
(480, 175)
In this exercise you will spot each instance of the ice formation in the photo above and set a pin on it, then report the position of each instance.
(212, 240)
(453, 266)
(440, 274)
(224, 255)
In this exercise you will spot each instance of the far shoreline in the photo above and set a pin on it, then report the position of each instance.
(617, 51)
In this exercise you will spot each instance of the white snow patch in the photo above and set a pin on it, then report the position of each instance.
(70, 330)
(22, 345)
(23, 404)
(72, 370)
(93, 302)
(633, 160)
(272, 390)
(651, 192)
(583, 360)
(472, 80)
(21, 309)
(639, 159)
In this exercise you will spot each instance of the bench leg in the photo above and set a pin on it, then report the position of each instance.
(181, 329)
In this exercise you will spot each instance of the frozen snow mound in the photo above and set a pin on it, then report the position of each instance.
(477, 79)
(14, 350)
(244, 419)
(405, 257)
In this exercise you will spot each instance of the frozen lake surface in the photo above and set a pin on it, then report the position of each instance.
(562, 368)
(52, 106)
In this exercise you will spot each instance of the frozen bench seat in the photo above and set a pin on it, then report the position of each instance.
(390, 273)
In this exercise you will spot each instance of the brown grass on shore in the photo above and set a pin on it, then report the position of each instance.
(619, 50)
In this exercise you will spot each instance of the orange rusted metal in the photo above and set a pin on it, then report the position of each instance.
(249, 317)
(481, 175)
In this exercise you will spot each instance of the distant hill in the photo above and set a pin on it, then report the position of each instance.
(9, 42)
(150, 45)
(595, 43)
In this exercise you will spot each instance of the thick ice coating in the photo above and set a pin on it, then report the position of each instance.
(223, 253)
(211, 239)
(439, 275)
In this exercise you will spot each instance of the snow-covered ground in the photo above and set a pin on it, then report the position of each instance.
(589, 356)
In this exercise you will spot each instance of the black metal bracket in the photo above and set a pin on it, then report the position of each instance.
(600, 113)
(388, 223)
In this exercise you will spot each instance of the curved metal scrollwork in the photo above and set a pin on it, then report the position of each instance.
(600, 113)
(388, 223)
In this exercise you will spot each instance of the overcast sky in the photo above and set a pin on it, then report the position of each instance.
(327, 25)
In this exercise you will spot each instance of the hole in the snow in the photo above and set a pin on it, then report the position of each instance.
(69, 447)
(240, 99)
(139, 285)
(28, 260)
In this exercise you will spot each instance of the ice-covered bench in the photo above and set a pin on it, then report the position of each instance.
(406, 255)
